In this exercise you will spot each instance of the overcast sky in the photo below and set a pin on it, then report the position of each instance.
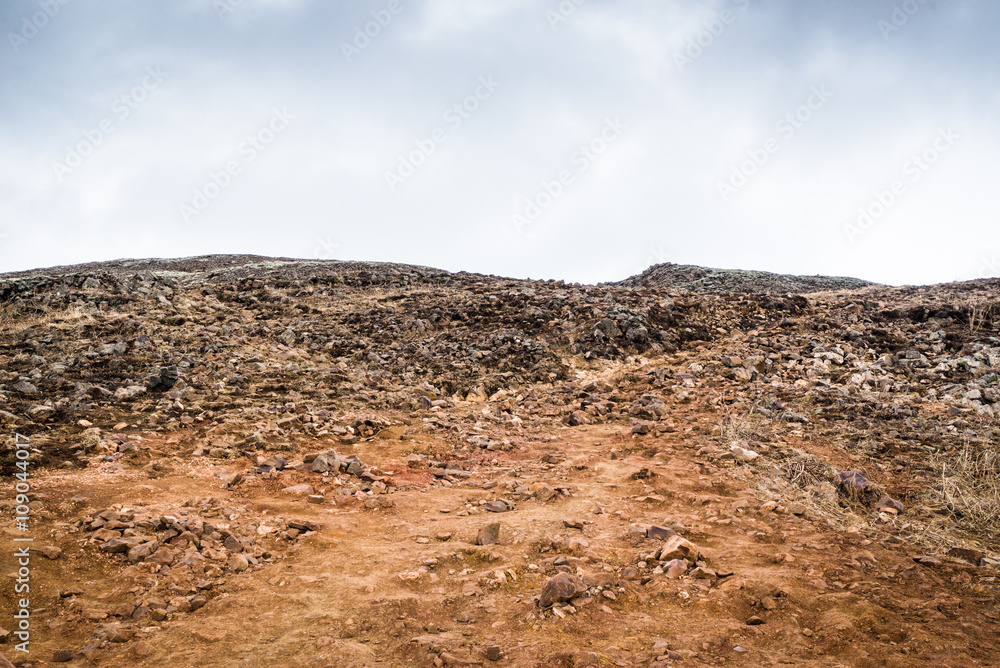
(582, 140)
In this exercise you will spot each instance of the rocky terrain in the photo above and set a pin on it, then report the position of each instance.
(705, 279)
(245, 461)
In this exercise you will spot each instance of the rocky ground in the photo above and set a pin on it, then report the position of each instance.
(243, 461)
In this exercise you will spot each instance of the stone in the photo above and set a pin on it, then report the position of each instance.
(660, 533)
(488, 535)
(24, 386)
(497, 506)
(966, 554)
(238, 563)
(141, 551)
(854, 485)
(50, 551)
(140, 650)
(675, 568)
(230, 479)
(755, 621)
(299, 490)
(889, 504)
(62, 656)
(315, 498)
(545, 493)
(677, 547)
(641, 428)
(743, 454)
(559, 588)
(494, 653)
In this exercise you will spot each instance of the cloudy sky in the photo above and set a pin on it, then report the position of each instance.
(582, 139)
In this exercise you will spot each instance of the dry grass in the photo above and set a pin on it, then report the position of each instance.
(979, 312)
(969, 486)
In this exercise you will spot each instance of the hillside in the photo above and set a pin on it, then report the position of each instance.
(237, 460)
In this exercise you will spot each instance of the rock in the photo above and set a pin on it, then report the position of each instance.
(497, 506)
(494, 653)
(889, 504)
(641, 428)
(4, 663)
(62, 656)
(51, 551)
(299, 490)
(230, 479)
(677, 547)
(559, 588)
(323, 462)
(140, 650)
(660, 533)
(854, 485)
(161, 379)
(755, 621)
(141, 551)
(315, 498)
(488, 535)
(119, 634)
(24, 386)
(966, 554)
(675, 568)
(303, 525)
(742, 454)
(703, 573)
(545, 493)
(238, 563)
(450, 659)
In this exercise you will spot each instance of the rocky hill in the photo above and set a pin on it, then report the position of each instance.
(703, 279)
(238, 460)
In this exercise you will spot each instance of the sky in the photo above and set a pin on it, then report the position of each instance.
(571, 139)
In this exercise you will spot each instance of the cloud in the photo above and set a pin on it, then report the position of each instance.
(692, 120)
